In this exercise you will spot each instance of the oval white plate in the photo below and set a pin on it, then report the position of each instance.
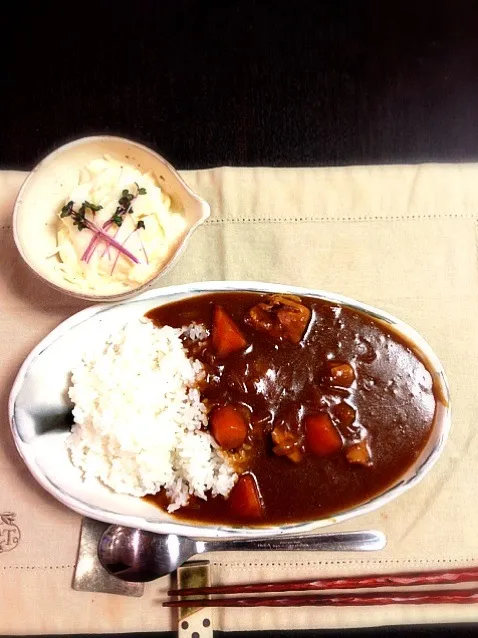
(39, 405)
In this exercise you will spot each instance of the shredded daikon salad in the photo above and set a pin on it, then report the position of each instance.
(115, 229)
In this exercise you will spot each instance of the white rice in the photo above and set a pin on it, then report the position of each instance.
(138, 417)
(196, 331)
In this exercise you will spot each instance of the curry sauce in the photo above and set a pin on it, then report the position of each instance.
(326, 406)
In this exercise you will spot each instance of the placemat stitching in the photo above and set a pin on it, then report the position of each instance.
(245, 565)
(381, 561)
(297, 220)
(277, 220)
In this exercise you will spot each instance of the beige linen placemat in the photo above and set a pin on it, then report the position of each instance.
(402, 238)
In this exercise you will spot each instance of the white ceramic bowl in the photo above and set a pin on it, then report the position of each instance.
(45, 189)
(39, 404)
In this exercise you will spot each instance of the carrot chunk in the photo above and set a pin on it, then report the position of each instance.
(340, 374)
(228, 427)
(245, 499)
(321, 435)
(226, 336)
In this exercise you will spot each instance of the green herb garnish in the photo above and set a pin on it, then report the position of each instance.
(67, 210)
(117, 218)
(93, 207)
(79, 216)
(141, 191)
(81, 221)
(125, 206)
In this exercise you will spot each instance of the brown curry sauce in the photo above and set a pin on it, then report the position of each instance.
(387, 405)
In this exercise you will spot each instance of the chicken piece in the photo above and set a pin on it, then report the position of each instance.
(359, 453)
(283, 317)
(261, 423)
(286, 443)
(345, 414)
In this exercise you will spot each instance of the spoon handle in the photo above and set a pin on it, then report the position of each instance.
(364, 541)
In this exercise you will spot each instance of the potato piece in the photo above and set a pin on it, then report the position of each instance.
(360, 454)
(340, 374)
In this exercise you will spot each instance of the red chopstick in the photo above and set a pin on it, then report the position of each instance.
(439, 577)
(456, 597)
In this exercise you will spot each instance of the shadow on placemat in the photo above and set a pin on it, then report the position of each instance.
(468, 630)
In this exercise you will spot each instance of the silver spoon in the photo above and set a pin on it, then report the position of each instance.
(139, 556)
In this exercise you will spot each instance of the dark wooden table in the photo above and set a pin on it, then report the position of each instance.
(247, 83)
